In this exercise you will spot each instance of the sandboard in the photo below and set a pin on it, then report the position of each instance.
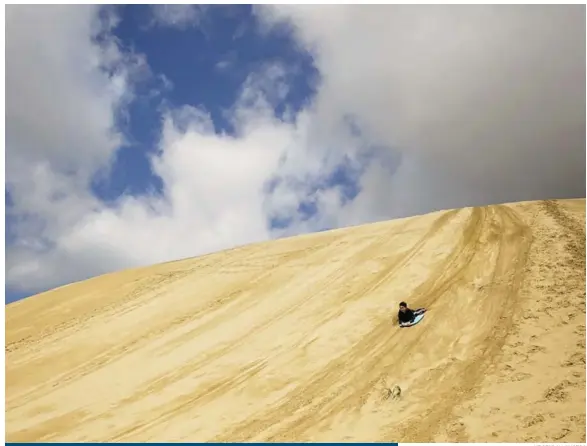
(417, 319)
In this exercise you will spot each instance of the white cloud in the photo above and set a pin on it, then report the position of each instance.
(177, 16)
(60, 104)
(63, 96)
(223, 65)
(214, 185)
(486, 103)
(489, 89)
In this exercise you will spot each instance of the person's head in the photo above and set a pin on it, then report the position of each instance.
(403, 306)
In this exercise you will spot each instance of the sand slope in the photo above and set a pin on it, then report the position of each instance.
(296, 340)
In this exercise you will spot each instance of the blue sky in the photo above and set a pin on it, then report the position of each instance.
(203, 64)
(141, 134)
(206, 65)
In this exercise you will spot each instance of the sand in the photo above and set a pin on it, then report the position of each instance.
(297, 340)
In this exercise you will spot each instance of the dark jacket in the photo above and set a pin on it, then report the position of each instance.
(405, 316)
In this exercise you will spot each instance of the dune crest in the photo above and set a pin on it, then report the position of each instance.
(297, 340)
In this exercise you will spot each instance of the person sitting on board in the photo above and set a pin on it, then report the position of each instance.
(406, 315)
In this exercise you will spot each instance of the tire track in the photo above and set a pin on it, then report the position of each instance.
(572, 227)
(378, 351)
(185, 402)
(196, 399)
(231, 387)
(523, 372)
(119, 350)
(362, 255)
(302, 399)
(513, 247)
(148, 284)
(374, 354)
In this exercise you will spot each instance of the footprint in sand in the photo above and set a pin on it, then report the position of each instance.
(575, 359)
(520, 376)
(561, 434)
(533, 419)
(536, 349)
(558, 393)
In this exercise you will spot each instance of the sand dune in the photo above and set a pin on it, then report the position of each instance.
(296, 339)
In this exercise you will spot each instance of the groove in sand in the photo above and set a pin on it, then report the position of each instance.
(293, 340)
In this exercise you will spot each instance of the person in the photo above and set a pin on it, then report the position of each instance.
(406, 315)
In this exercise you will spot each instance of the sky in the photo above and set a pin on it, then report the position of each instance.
(147, 133)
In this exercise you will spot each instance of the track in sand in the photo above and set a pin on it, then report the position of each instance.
(296, 339)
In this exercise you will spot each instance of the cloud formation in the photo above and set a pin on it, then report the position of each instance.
(486, 103)
(64, 94)
(213, 196)
(177, 16)
(423, 107)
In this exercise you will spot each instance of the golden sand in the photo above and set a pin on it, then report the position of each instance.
(297, 340)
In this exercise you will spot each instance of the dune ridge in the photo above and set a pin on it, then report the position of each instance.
(296, 339)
